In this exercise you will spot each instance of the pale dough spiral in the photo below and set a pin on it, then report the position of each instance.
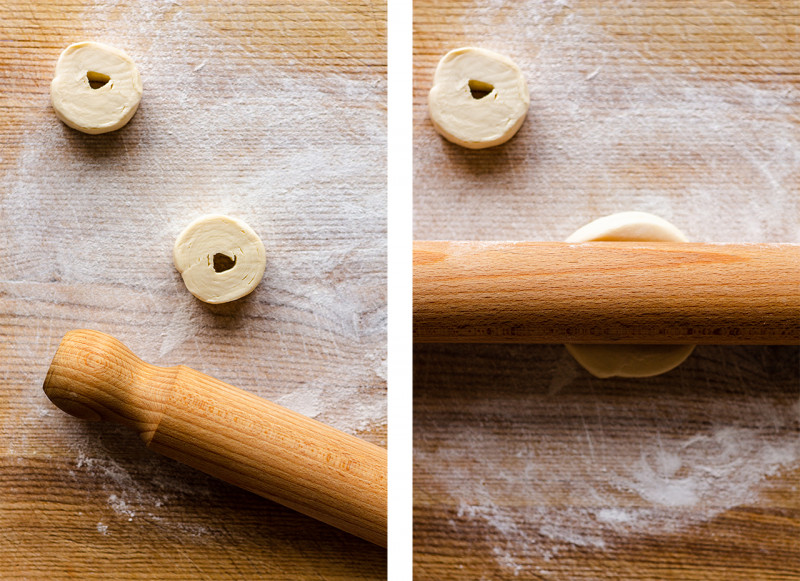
(96, 87)
(479, 98)
(220, 258)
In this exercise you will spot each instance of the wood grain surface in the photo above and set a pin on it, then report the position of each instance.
(527, 467)
(687, 110)
(270, 112)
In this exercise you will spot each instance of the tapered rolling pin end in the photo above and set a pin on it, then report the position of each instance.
(226, 432)
(95, 377)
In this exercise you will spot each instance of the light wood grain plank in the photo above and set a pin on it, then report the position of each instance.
(510, 476)
(87, 228)
(686, 110)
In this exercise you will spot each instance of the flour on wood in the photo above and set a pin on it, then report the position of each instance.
(613, 127)
(223, 127)
(612, 470)
(285, 148)
(615, 124)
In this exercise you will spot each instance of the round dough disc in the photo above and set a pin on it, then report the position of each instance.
(96, 88)
(479, 98)
(629, 360)
(220, 258)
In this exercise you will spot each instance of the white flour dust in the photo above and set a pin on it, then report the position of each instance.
(88, 224)
(145, 490)
(584, 467)
(121, 507)
(628, 112)
(284, 149)
(620, 119)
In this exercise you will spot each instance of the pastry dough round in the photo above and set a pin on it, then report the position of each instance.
(95, 110)
(220, 258)
(479, 98)
(628, 227)
(629, 360)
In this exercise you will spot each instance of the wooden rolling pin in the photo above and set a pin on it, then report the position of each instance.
(606, 292)
(225, 432)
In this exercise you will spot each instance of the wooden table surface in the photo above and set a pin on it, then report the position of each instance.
(271, 112)
(527, 467)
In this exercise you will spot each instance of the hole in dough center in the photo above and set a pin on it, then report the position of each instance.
(479, 89)
(223, 262)
(97, 80)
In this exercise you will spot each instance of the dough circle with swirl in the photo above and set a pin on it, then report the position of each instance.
(96, 88)
(479, 98)
(220, 258)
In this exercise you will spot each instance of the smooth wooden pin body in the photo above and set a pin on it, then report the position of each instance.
(226, 432)
(606, 292)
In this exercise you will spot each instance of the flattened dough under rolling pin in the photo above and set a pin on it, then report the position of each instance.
(629, 360)
(220, 258)
(96, 88)
(479, 98)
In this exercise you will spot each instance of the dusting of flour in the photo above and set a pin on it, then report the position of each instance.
(539, 473)
(283, 149)
(628, 112)
(297, 152)
(623, 116)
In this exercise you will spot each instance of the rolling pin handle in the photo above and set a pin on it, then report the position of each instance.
(94, 377)
(226, 432)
